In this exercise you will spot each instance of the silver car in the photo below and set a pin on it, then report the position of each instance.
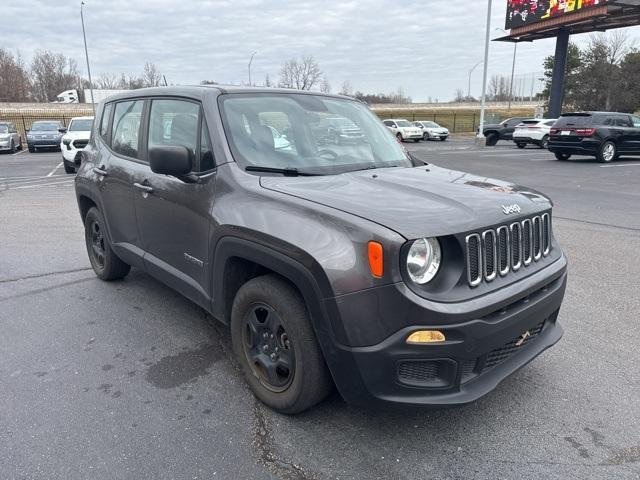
(10, 139)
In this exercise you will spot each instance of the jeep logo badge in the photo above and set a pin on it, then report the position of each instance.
(508, 209)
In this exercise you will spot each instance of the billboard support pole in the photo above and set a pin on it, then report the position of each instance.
(480, 140)
(559, 70)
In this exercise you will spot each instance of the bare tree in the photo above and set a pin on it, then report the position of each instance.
(460, 96)
(107, 81)
(303, 74)
(267, 81)
(52, 73)
(130, 83)
(325, 86)
(14, 80)
(151, 76)
(346, 89)
(208, 82)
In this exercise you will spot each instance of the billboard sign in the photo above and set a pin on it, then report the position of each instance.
(527, 12)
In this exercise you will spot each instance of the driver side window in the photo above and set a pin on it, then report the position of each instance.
(636, 121)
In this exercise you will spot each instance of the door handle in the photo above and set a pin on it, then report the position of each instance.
(100, 171)
(144, 188)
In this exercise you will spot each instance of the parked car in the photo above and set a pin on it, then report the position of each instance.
(494, 132)
(535, 131)
(409, 285)
(45, 134)
(74, 141)
(604, 135)
(10, 139)
(403, 130)
(431, 130)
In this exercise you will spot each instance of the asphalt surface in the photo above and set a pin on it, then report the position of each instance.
(131, 380)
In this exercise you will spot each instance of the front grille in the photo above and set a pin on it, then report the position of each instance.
(507, 248)
(500, 354)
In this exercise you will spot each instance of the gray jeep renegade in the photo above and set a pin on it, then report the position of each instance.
(351, 264)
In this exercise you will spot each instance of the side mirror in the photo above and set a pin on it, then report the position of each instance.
(62, 130)
(172, 160)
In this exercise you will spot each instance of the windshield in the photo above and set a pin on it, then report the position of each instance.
(430, 125)
(44, 126)
(252, 123)
(81, 125)
(403, 123)
(4, 129)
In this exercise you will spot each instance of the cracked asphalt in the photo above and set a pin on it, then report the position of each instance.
(130, 380)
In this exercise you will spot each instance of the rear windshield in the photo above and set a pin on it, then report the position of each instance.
(574, 121)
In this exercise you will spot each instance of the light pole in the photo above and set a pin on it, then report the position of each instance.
(86, 54)
(251, 60)
(480, 137)
(470, 72)
(513, 68)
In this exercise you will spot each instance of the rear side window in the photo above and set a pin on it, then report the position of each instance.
(126, 128)
(622, 122)
(104, 121)
(636, 121)
(574, 121)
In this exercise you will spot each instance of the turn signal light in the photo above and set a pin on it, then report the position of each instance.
(376, 259)
(426, 336)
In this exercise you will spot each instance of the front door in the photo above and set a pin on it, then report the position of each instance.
(115, 172)
(173, 215)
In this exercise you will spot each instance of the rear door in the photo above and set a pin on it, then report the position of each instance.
(173, 216)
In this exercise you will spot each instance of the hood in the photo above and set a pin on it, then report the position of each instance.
(416, 202)
(78, 135)
(437, 130)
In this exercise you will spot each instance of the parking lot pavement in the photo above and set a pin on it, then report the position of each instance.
(130, 380)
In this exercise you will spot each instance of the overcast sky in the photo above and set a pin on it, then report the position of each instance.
(426, 47)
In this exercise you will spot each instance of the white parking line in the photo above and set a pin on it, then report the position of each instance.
(621, 165)
(54, 170)
(18, 153)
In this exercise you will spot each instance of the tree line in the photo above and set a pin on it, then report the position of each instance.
(603, 75)
(50, 73)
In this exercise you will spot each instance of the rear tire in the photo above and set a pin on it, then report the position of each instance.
(608, 152)
(521, 145)
(491, 140)
(274, 343)
(544, 143)
(562, 156)
(399, 137)
(13, 147)
(104, 261)
(426, 136)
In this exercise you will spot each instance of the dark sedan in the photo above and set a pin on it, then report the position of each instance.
(45, 134)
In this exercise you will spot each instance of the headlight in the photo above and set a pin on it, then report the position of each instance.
(423, 260)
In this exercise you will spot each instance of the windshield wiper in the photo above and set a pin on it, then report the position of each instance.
(287, 172)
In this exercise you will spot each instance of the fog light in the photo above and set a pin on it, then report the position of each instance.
(426, 336)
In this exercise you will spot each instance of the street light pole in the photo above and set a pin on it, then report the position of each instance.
(513, 69)
(86, 54)
(251, 60)
(470, 72)
(480, 136)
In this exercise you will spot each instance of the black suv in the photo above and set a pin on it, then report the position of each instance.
(604, 135)
(500, 131)
(354, 265)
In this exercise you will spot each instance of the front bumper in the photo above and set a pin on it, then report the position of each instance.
(44, 142)
(479, 353)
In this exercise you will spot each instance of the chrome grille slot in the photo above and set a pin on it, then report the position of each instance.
(516, 246)
(537, 238)
(504, 260)
(474, 260)
(507, 248)
(489, 251)
(546, 236)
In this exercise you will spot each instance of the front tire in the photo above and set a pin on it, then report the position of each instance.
(274, 343)
(608, 152)
(13, 147)
(104, 261)
(68, 168)
(562, 156)
(491, 139)
(426, 136)
(31, 148)
(399, 137)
